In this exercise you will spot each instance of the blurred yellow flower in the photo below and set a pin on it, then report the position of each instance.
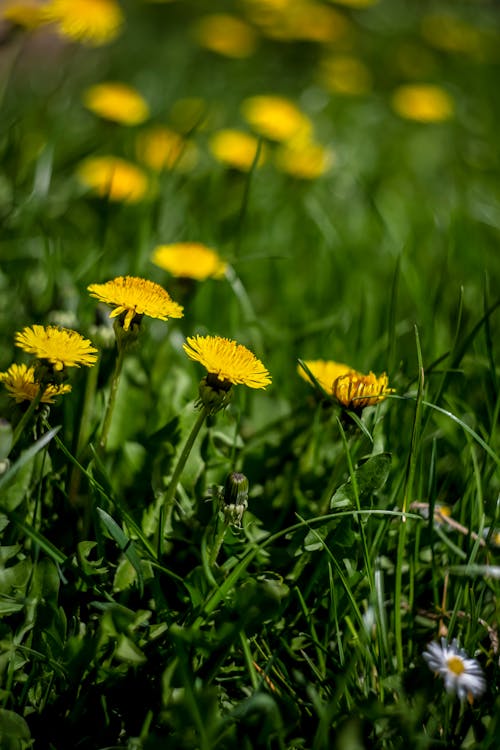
(20, 383)
(236, 148)
(297, 19)
(423, 103)
(345, 74)
(161, 148)
(228, 361)
(114, 178)
(356, 3)
(450, 33)
(26, 14)
(352, 389)
(62, 347)
(305, 160)
(93, 22)
(227, 35)
(134, 297)
(325, 372)
(116, 101)
(276, 117)
(189, 260)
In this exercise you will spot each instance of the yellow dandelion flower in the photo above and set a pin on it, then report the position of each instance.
(20, 382)
(304, 159)
(450, 33)
(116, 101)
(325, 372)
(189, 260)
(236, 149)
(311, 22)
(114, 178)
(161, 148)
(62, 347)
(26, 14)
(345, 74)
(423, 103)
(227, 35)
(353, 390)
(356, 3)
(132, 297)
(228, 361)
(276, 117)
(93, 22)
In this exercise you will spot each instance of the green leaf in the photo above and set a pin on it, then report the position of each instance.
(14, 731)
(371, 475)
(124, 543)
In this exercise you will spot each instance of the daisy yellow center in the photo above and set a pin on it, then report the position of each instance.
(456, 665)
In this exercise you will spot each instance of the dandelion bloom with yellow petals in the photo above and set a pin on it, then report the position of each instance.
(62, 347)
(114, 178)
(189, 260)
(275, 117)
(116, 101)
(353, 390)
(325, 372)
(26, 14)
(94, 22)
(227, 35)
(304, 160)
(423, 103)
(230, 362)
(236, 149)
(20, 382)
(161, 148)
(132, 296)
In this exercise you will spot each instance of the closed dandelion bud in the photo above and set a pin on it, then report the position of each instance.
(6, 434)
(235, 497)
(214, 394)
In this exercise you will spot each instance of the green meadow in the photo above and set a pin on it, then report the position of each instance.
(216, 548)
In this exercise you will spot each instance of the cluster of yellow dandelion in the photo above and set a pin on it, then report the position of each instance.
(20, 382)
(350, 388)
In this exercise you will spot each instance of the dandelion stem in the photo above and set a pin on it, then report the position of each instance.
(168, 500)
(27, 416)
(84, 430)
(112, 398)
(221, 529)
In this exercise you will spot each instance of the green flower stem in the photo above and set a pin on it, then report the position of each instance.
(112, 398)
(221, 528)
(27, 416)
(84, 429)
(168, 500)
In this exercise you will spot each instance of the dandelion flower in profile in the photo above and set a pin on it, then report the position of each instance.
(161, 148)
(115, 179)
(423, 103)
(61, 347)
(116, 101)
(189, 260)
(236, 149)
(276, 117)
(353, 390)
(133, 297)
(227, 35)
(325, 372)
(461, 674)
(20, 382)
(227, 361)
(93, 22)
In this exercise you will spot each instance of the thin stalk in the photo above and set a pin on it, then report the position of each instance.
(84, 430)
(27, 416)
(221, 529)
(112, 398)
(168, 500)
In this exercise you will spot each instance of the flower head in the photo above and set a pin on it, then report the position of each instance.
(236, 149)
(352, 389)
(231, 363)
(227, 35)
(303, 159)
(276, 117)
(61, 347)
(113, 178)
(133, 297)
(422, 102)
(189, 260)
(461, 674)
(93, 22)
(116, 101)
(26, 14)
(21, 384)
(161, 148)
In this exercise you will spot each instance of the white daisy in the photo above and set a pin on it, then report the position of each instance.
(461, 674)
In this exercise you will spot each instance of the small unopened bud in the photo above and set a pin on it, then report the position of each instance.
(235, 497)
(6, 435)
